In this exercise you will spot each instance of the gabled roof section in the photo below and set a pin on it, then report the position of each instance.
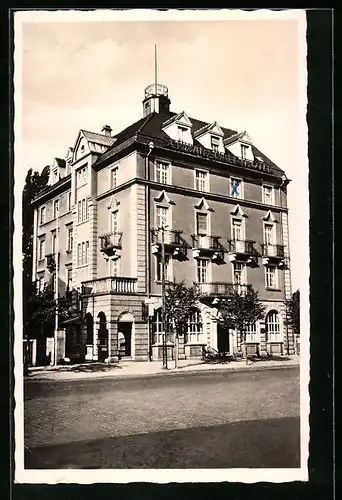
(104, 140)
(58, 162)
(241, 136)
(163, 197)
(209, 127)
(181, 117)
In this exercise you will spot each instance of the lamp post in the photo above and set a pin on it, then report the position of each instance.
(163, 296)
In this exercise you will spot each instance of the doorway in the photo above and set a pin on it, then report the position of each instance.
(102, 337)
(125, 339)
(223, 344)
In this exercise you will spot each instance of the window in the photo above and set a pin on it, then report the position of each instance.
(113, 177)
(244, 150)
(157, 328)
(41, 249)
(82, 210)
(42, 215)
(251, 333)
(55, 208)
(55, 177)
(194, 327)
(202, 271)
(237, 230)
(162, 172)
(79, 255)
(69, 202)
(271, 277)
(181, 133)
(215, 143)
(40, 283)
(201, 180)
(83, 253)
(114, 222)
(114, 267)
(159, 270)
(273, 326)
(81, 176)
(201, 224)
(238, 274)
(235, 188)
(268, 234)
(267, 195)
(69, 278)
(53, 242)
(161, 216)
(70, 239)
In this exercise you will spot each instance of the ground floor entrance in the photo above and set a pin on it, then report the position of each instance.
(125, 339)
(223, 340)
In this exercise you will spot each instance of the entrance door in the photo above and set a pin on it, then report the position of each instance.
(222, 340)
(125, 339)
(102, 338)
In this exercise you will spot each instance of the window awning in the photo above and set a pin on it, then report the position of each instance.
(72, 321)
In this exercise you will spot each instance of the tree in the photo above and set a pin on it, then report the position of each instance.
(239, 311)
(293, 312)
(180, 300)
(35, 182)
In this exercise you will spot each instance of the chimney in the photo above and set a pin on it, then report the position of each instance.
(107, 130)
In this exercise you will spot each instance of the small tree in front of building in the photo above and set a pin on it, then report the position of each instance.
(180, 301)
(293, 312)
(239, 311)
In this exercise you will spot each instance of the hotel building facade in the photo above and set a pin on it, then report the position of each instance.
(223, 206)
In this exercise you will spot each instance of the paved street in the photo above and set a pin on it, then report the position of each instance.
(202, 420)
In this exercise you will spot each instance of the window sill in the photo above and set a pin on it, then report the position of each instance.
(69, 252)
(82, 222)
(198, 342)
(40, 261)
(82, 266)
(274, 342)
(269, 289)
(167, 282)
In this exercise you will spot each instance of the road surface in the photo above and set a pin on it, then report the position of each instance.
(199, 420)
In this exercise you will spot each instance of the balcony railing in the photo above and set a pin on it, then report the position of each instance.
(110, 242)
(275, 251)
(241, 247)
(202, 242)
(115, 284)
(220, 289)
(171, 237)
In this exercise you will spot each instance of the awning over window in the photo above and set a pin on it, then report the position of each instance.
(72, 321)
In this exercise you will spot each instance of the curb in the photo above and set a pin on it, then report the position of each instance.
(162, 373)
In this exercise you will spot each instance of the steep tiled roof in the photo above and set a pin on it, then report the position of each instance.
(104, 140)
(151, 126)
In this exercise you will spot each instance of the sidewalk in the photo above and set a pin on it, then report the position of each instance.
(124, 369)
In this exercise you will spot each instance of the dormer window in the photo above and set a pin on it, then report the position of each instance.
(55, 176)
(215, 143)
(182, 133)
(244, 150)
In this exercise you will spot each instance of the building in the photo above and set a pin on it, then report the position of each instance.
(224, 205)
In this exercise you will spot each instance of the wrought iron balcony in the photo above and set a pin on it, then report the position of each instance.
(110, 243)
(220, 289)
(272, 253)
(112, 284)
(51, 261)
(205, 245)
(173, 241)
(242, 249)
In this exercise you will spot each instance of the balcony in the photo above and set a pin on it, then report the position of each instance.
(242, 250)
(173, 242)
(51, 261)
(272, 253)
(220, 289)
(110, 243)
(207, 246)
(114, 284)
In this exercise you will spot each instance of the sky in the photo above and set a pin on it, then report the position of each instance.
(244, 74)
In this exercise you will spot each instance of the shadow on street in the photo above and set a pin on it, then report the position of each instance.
(269, 443)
